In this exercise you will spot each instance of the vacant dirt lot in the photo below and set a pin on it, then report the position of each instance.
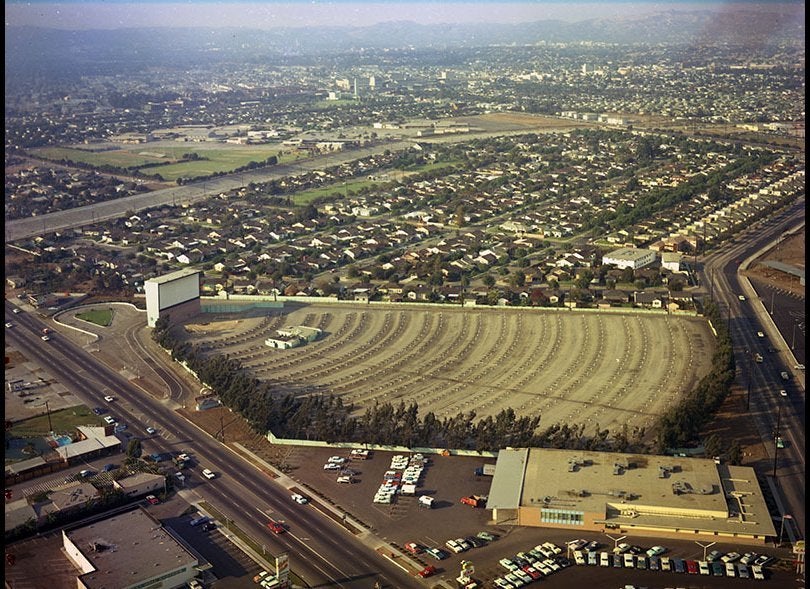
(570, 367)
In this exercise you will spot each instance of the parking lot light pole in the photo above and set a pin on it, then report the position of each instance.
(705, 547)
(615, 540)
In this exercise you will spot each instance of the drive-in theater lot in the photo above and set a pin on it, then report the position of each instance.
(596, 368)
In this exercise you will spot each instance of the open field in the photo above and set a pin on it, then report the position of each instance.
(571, 367)
(217, 157)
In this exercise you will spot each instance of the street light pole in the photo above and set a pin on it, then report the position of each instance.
(793, 339)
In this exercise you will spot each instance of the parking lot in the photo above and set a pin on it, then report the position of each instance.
(448, 478)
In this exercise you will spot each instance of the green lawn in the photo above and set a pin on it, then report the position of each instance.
(101, 317)
(64, 421)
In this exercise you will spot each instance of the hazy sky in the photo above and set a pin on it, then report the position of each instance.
(113, 14)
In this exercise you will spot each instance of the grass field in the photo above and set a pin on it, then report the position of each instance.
(102, 317)
(63, 421)
(215, 158)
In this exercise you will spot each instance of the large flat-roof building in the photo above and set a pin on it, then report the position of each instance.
(127, 551)
(632, 494)
(628, 257)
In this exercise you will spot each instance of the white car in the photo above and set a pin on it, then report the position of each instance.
(336, 460)
(345, 478)
(46, 338)
(208, 474)
(151, 431)
(730, 557)
(331, 466)
(454, 546)
(109, 398)
(109, 419)
(298, 498)
(9, 324)
(656, 551)
(15, 310)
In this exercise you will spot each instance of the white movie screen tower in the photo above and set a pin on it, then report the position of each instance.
(176, 294)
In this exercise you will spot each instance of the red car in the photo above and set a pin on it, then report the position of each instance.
(152, 500)
(276, 528)
(414, 548)
(428, 571)
(692, 567)
(532, 572)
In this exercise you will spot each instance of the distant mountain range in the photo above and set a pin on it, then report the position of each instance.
(38, 49)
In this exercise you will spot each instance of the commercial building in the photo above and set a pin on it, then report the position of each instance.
(630, 494)
(129, 550)
(628, 257)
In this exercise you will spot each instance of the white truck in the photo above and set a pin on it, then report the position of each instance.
(425, 501)
(407, 490)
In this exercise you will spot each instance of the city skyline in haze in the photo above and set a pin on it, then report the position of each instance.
(85, 15)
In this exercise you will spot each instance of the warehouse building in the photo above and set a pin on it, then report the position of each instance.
(630, 494)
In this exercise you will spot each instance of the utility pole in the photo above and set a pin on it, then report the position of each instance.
(775, 438)
(48, 410)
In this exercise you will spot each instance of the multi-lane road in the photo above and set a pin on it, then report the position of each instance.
(322, 552)
(774, 316)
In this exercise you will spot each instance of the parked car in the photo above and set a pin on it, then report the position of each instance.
(109, 398)
(656, 551)
(762, 560)
(437, 553)
(298, 498)
(208, 474)
(428, 571)
(748, 558)
(730, 557)
(508, 564)
(713, 556)
(151, 431)
(152, 500)
(109, 467)
(454, 546)
(621, 548)
(414, 548)
(486, 536)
